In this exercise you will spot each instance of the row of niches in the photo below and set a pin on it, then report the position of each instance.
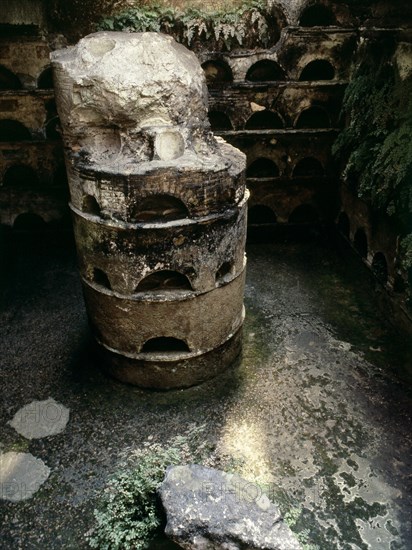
(218, 72)
(377, 260)
(303, 214)
(160, 206)
(315, 117)
(11, 81)
(263, 168)
(206, 253)
(24, 177)
(152, 209)
(163, 194)
(12, 130)
(162, 283)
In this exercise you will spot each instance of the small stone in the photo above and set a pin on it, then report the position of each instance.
(210, 509)
(21, 475)
(40, 419)
(255, 107)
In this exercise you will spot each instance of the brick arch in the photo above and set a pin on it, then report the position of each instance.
(13, 130)
(164, 345)
(165, 280)
(317, 69)
(217, 72)
(219, 120)
(317, 15)
(265, 70)
(45, 79)
(160, 207)
(265, 120)
(308, 167)
(8, 80)
(20, 175)
(314, 117)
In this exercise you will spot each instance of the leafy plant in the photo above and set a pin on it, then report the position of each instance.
(129, 516)
(376, 146)
(224, 28)
(292, 517)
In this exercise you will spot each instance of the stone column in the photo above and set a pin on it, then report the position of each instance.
(159, 208)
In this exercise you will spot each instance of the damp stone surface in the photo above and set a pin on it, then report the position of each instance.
(159, 209)
(208, 508)
(21, 475)
(318, 411)
(40, 419)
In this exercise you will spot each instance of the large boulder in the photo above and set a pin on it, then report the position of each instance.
(210, 509)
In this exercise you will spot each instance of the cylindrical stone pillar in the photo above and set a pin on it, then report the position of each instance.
(159, 208)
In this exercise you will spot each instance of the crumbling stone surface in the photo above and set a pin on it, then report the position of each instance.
(21, 475)
(40, 419)
(211, 509)
(131, 87)
(159, 208)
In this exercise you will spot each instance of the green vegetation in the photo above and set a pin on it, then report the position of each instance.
(248, 24)
(129, 516)
(376, 146)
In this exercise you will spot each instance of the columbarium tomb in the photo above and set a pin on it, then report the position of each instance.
(159, 208)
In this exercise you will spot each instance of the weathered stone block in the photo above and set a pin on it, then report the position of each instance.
(159, 209)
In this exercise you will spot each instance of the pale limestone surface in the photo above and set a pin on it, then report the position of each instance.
(21, 475)
(40, 419)
(139, 97)
(210, 509)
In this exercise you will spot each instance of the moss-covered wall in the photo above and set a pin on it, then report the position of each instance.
(79, 17)
(376, 146)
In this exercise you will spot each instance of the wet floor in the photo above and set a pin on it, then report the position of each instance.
(318, 411)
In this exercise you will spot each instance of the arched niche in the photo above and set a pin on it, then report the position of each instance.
(264, 120)
(60, 176)
(225, 269)
(313, 118)
(265, 70)
(20, 175)
(380, 267)
(45, 80)
(343, 224)
(164, 280)
(12, 130)
(261, 214)
(318, 69)
(360, 242)
(8, 80)
(262, 168)
(219, 121)
(101, 278)
(52, 129)
(317, 15)
(308, 167)
(305, 213)
(90, 205)
(217, 72)
(165, 344)
(29, 222)
(158, 208)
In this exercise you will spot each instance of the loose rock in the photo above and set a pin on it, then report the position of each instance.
(207, 508)
(21, 475)
(40, 419)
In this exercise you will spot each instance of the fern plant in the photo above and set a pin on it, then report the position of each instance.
(129, 516)
(376, 146)
(225, 28)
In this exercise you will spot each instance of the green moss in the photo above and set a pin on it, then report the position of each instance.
(376, 145)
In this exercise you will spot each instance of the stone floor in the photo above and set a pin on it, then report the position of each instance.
(319, 409)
